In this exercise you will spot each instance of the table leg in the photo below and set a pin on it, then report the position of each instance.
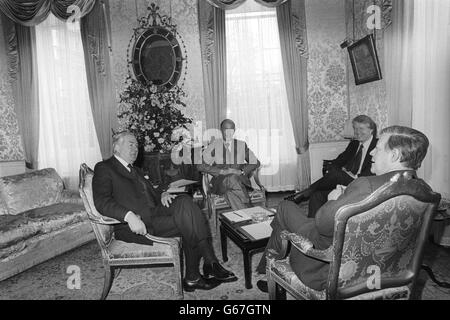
(223, 243)
(247, 269)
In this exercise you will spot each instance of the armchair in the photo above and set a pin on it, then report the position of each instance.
(216, 202)
(383, 235)
(118, 254)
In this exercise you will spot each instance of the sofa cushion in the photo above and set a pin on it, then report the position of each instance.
(14, 229)
(31, 190)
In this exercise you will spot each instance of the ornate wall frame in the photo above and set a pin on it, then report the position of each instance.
(156, 51)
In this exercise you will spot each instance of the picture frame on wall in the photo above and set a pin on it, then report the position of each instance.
(364, 60)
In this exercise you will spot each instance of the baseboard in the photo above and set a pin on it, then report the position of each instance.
(44, 248)
(9, 168)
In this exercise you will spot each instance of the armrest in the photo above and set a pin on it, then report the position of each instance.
(173, 242)
(255, 175)
(305, 246)
(69, 196)
(104, 220)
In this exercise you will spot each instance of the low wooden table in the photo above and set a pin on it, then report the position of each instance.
(247, 245)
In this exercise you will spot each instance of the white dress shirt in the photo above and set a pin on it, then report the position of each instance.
(366, 146)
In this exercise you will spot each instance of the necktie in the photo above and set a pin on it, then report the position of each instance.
(353, 166)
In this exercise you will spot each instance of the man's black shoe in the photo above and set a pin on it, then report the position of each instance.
(262, 285)
(216, 271)
(299, 197)
(200, 284)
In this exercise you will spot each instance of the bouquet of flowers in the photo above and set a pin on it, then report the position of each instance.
(152, 115)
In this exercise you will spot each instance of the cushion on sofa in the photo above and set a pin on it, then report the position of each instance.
(16, 228)
(31, 190)
(3, 208)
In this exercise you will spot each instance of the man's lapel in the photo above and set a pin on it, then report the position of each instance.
(121, 169)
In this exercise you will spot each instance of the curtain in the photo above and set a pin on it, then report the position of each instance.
(95, 34)
(33, 12)
(257, 99)
(232, 4)
(67, 134)
(398, 50)
(212, 41)
(292, 30)
(21, 48)
(430, 91)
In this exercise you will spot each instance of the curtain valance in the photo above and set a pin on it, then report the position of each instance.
(232, 4)
(33, 12)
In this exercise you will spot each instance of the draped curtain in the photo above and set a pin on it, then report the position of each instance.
(95, 30)
(67, 134)
(430, 88)
(33, 12)
(256, 86)
(21, 48)
(212, 29)
(95, 33)
(398, 50)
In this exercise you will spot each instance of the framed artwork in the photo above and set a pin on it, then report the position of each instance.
(364, 59)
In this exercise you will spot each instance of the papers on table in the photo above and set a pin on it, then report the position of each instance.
(248, 214)
(257, 231)
(179, 185)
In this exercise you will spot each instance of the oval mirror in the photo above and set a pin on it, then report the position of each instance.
(157, 57)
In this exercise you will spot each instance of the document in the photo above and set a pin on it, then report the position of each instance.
(236, 216)
(258, 231)
(181, 183)
(248, 214)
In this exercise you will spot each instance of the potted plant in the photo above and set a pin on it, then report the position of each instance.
(154, 117)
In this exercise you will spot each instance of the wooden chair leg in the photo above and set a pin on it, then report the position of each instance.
(178, 268)
(109, 278)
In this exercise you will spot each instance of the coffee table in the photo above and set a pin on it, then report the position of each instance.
(247, 245)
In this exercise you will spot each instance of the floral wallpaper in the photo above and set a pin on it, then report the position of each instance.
(124, 16)
(327, 70)
(11, 148)
(369, 98)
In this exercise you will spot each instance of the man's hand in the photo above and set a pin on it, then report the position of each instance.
(336, 193)
(166, 198)
(135, 223)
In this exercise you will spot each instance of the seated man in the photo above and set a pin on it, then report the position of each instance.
(354, 162)
(399, 149)
(122, 192)
(231, 163)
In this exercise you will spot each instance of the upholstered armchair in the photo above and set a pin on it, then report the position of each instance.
(382, 235)
(118, 254)
(217, 202)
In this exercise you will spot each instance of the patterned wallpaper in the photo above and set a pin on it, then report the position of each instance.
(11, 148)
(327, 76)
(369, 98)
(184, 15)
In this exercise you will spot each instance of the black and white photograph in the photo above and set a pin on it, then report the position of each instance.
(224, 158)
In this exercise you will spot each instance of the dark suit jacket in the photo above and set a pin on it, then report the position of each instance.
(240, 157)
(350, 152)
(117, 191)
(320, 229)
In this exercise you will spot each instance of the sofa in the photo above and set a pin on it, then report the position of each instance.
(39, 219)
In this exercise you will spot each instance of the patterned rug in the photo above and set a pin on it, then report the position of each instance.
(49, 280)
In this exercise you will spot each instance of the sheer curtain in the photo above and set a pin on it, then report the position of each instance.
(431, 94)
(256, 92)
(67, 135)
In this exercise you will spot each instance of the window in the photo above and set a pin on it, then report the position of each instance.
(67, 134)
(256, 97)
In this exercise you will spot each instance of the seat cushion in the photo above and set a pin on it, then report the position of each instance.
(282, 269)
(16, 228)
(31, 190)
(124, 250)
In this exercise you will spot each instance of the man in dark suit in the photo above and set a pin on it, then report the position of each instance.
(399, 149)
(354, 162)
(231, 163)
(121, 191)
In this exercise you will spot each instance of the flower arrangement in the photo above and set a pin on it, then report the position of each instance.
(153, 116)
